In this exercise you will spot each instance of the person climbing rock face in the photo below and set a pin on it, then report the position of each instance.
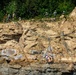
(48, 54)
(49, 59)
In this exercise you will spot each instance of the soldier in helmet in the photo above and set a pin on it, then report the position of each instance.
(19, 18)
(13, 16)
(46, 13)
(5, 18)
(8, 18)
(55, 13)
(63, 12)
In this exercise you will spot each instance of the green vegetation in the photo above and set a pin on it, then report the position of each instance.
(35, 8)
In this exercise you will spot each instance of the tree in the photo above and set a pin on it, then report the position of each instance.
(11, 7)
(66, 6)
(32, 8)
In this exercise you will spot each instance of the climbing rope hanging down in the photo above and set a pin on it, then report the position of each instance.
(48, 55)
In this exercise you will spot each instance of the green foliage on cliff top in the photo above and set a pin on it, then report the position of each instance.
(33, 8)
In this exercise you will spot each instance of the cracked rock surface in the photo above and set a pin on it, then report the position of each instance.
(30, 40)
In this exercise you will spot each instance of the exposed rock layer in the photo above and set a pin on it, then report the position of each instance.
(31, 39)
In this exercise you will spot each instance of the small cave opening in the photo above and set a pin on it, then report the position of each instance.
(68, 73)
(16, 37)
(8, 61)
(2, 41)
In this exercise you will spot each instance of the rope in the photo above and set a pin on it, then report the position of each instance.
(58, 36)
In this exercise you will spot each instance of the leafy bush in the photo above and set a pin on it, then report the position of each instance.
(11, 7)
(1, 15)
(36, 8)
(66, 6)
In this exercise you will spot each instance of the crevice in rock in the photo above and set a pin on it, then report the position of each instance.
(68, 73)
(11, 37)
(74, 48)
(16, 37)
(2, 41)
(8, 61)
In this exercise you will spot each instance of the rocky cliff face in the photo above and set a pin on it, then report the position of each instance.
(24, 44)
(10, 34)
(10, 31)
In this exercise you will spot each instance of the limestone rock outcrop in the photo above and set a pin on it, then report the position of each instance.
(31, 39)
(10, 31)
(73, 14)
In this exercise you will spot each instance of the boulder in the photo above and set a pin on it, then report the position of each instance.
(8, 52)
(15, 66)
(12, 45)
(62, 16)
(67, 27)
(73, 14)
